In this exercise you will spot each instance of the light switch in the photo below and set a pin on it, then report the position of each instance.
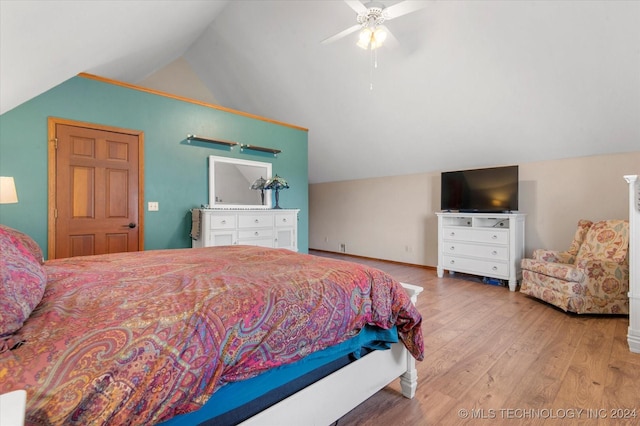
(153, 206)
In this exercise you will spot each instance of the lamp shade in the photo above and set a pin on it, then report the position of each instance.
(8, 192)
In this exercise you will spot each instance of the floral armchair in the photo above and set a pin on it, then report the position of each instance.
(592, 276)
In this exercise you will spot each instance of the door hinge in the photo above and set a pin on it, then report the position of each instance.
(55, 142)
(55, 213)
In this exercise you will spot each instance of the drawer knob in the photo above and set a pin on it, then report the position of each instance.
(284, 219)
(495, 253)
(224, 222)
(452, 248)
(453, 234)
(494, 237)
(495, 268)
(257, 221)
(256, 233)
(452, 262)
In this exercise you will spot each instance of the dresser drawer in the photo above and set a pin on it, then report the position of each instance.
(482, 235)
(255, 233)
(222, 222)
(487, 252)
(260, 242)
(285, 219)
(255, 221)
(496, 269)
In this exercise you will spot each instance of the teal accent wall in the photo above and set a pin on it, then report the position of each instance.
(175, 171)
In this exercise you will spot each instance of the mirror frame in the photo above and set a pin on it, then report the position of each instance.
(213, 160)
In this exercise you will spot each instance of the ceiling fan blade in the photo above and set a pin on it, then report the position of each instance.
(341, 34)
(403, 8)
(357, 6)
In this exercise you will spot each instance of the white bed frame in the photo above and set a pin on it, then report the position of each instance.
(330, 398)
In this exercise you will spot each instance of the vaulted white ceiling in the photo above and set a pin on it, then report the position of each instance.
(471, 84)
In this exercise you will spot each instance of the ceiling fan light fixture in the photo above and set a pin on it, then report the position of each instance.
(371, 17)
(380, 35)
(371, 38)
(364, 39)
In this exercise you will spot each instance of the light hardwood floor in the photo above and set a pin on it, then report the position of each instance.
(499, 357)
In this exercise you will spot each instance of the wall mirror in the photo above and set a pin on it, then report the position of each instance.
(230, 181)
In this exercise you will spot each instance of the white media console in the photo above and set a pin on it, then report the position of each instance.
(485, 244)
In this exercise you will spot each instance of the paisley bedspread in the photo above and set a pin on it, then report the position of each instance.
(136, 338)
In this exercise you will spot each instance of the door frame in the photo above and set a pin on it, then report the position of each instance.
(52, 173)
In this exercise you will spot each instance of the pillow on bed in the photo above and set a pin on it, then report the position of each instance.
(22, 279)
(25, 240)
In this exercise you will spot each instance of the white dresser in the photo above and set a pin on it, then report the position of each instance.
(257, 227)
(485, 244)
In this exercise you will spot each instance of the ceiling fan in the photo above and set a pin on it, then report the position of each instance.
(370, 18)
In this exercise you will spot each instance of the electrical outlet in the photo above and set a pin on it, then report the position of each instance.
(343, 247)
(153, 206)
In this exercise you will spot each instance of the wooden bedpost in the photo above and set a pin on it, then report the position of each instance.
(409, 379)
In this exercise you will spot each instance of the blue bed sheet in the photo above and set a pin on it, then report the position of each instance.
(238, 394)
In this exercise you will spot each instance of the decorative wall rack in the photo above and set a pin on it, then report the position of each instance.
(275, 152)
(230, 144)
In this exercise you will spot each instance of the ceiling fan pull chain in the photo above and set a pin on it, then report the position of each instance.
(373, 66)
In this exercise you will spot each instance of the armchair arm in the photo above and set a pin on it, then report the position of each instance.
(554, 256)
(560, 271)
(605, 278)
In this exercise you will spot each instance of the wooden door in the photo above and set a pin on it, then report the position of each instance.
(95, 190)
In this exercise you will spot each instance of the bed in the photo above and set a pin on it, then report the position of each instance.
(156, 336)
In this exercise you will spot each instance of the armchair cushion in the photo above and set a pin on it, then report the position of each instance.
(553, 256)
(561, 271)
(608, 239)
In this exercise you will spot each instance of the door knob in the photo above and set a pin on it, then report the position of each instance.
(132, 225)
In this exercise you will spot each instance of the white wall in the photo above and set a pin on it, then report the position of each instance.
(393, 218)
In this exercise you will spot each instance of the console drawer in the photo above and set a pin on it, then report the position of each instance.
(482, 235)
(495, 269)
(487, 252)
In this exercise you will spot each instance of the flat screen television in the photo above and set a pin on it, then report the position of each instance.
(490, 190)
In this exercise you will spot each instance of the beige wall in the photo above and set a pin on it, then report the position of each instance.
(393, 218)
(179, 79)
